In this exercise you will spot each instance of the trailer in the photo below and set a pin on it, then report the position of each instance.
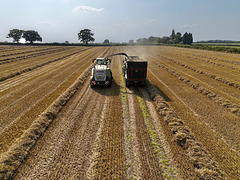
(135, 71)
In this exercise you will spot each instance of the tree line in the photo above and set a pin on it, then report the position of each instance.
(86, 36)
(174, 38)
(29, 35)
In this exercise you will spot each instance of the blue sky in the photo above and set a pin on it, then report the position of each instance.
(121, 20)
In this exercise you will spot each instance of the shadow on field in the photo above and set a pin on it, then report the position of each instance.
(114, 90)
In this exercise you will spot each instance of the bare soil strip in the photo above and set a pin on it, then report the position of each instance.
(132, 161)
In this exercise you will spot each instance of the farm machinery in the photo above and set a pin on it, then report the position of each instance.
(101, 72)
(134, 71)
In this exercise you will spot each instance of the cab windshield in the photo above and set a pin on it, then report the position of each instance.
(101, 62)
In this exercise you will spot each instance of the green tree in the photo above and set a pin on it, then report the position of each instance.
(190, 38)
(172, 37)
(178, 38)
(131, 41)
(153, 40)
(31, 36)
(106, 41)
(16, 34)
(187, 38)
(165, 40)
(86, 36)
(140, 40)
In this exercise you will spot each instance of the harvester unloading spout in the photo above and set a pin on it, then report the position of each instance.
(124, 54)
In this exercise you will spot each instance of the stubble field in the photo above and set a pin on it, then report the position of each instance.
(185, 124)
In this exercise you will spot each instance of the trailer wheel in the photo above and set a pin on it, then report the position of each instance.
(127, 83)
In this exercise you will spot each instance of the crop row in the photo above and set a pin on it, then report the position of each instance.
(129, 136)
(204, 166)
(11, 48)
(28, 51)
(234, 108)
(37, 66)
(213, 56)
(218, 59)
(213, 63)
(225, 81)
(23, 57)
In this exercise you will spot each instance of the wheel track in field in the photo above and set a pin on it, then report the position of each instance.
(142, 148)
(150, 165)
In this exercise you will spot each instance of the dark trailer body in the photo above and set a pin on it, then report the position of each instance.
(135, 70)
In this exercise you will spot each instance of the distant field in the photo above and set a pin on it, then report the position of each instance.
(230, 45)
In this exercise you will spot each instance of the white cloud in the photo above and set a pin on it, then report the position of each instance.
(187, 26)
(153, 20)
(45, 23)
(86, 9)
